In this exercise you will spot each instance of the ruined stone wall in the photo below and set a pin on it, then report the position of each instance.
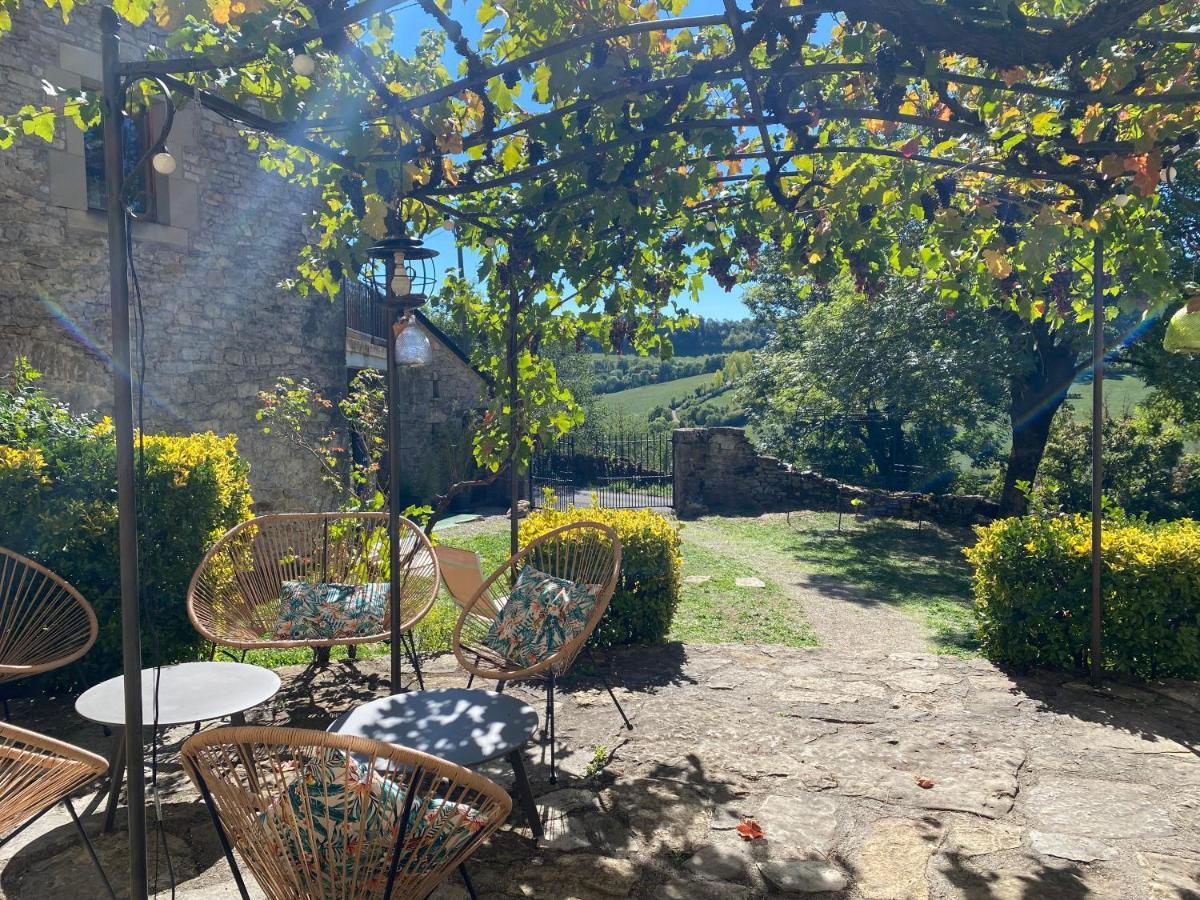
(718, 470)
(218, 329)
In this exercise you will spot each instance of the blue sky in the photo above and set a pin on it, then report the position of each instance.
(714, 303)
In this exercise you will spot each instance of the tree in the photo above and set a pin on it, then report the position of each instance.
(621, 157)
(862, 389)
(1174, 376)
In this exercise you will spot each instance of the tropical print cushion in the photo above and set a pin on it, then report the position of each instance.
(326, 612)
(542, 614)
(335, 808)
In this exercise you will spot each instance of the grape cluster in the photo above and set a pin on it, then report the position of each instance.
(719, 268)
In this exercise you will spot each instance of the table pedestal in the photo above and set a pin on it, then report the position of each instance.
(110, 792)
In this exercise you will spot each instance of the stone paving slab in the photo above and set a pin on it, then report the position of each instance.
(872, 776)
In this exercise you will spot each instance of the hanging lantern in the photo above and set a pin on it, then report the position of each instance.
(1183, 331)
(402, 272)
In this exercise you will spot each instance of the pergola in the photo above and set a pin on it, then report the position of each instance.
(683, 119)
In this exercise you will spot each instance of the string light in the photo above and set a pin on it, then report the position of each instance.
(449, 225)
(489, 242)
(1122, 200)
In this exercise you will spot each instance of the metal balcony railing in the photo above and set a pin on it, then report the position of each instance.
(364, 313)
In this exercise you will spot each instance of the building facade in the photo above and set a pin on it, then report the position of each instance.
(213, 241)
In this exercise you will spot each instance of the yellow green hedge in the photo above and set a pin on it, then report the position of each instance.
(58, 505)
(648, 590)
(1033, 594)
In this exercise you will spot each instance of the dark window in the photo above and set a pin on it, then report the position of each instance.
(137, 139)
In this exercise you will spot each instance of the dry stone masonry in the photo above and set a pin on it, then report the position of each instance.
(718, 470)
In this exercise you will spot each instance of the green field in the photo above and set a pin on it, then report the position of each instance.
(639, 401)
(1121, 394)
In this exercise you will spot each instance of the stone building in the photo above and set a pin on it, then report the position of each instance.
(213, 242)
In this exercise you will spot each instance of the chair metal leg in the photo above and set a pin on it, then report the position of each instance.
(87, 843)
(470, 681)
(462, 870)
(550, 692)
(411, 647)
(608, 687)
(500, 687)
(233, 866)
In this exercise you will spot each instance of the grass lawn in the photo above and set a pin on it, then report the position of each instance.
(921, 571)
(720, 612)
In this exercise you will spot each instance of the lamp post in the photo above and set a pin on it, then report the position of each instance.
(402, 275)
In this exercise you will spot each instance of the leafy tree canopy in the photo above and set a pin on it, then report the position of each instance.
(617, 151)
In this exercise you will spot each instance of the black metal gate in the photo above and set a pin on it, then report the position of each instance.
(624, 472)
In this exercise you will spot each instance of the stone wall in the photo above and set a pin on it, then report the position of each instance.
(218, 329)
(437, 404)
(718, 470)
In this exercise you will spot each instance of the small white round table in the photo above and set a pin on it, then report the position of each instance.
(187, 693)
(462, 726)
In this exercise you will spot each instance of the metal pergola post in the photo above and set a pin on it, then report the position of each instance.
(113, 95)
(514, 429)
(395, 648)
(1097, 663)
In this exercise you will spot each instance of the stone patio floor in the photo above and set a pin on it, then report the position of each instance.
(888, 777)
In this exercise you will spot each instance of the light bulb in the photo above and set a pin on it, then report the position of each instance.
(710, 225)
(1122, 200)
(489, 242)
(412, 348)
(449, 225)
(401, 284)
(1167, 175)
(303, 64)
(164, 163)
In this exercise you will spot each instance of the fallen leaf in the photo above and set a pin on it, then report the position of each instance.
(925, 783)
(750, 830)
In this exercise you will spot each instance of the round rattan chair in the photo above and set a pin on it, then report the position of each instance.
(37, 772)
(44, 622)
(320, 816)
(235, 596)
(586, 553)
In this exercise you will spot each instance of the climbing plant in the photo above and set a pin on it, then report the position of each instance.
(613, 152)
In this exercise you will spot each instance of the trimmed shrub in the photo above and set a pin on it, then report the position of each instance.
(648, 588)
(1033, 594)
(58, 506)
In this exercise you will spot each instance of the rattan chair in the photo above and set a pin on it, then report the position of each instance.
(37, 772)
(44, 622)
(235, 595)
(587, 553)
(320, 816)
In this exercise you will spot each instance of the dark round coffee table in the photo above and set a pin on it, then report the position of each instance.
(465, 727)
(187, 693)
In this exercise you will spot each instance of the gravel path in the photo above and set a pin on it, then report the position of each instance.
(843, 617)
